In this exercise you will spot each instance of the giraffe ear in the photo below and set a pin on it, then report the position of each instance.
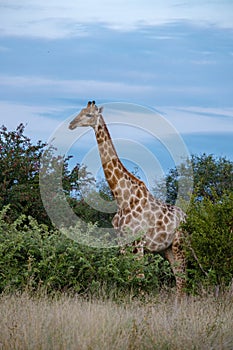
(101, 109)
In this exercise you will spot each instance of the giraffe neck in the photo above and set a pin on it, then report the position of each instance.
(117, 176)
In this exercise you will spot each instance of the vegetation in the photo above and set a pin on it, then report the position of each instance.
(212, 178)
(209, 221)
(19, 169)
(59, 293)
(209, 241)
(34, 254)
(19, 178)
(31, 256)
(65, 322)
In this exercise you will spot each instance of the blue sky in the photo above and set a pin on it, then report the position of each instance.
(175, 57)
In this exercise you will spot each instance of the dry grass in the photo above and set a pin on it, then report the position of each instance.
(72, 323)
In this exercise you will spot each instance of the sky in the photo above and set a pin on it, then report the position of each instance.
(169, 58)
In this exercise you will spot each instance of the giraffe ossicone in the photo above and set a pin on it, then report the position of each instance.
(154, 225)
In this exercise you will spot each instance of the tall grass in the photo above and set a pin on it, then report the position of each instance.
(71, 323)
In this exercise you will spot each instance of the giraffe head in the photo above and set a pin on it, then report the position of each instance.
(87, 117)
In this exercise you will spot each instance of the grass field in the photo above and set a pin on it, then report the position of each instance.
(73, 323)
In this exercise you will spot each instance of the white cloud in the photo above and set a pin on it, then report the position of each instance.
(190, 120)
(98, 89)
(37, 125)
(70, 87)
(185, 119)
(56, 19)
(130, 126)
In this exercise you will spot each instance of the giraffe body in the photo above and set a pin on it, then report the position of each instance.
(152, 224)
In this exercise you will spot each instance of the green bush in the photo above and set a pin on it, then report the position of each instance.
(210, 241)
(31, 256)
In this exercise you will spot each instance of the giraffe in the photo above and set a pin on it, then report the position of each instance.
(154, 224)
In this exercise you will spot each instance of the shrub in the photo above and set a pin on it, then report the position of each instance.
(31, 256)
(210, 236)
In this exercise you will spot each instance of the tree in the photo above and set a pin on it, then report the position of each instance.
(19, 171)
(209, 221)
(20, 168)
(96, 204)
(212, 177)
(209, 242)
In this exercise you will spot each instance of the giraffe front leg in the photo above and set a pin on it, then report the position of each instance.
(180, 263)
(139, 254)
(176, 257)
